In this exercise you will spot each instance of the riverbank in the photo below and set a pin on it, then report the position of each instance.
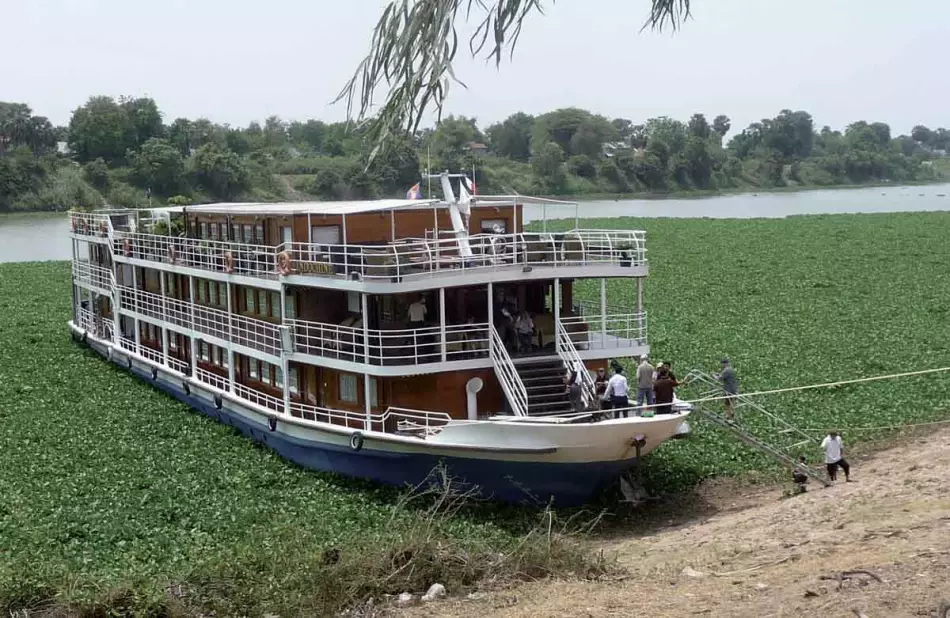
(117, 497)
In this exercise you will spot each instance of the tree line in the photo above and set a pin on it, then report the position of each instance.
(121, 152)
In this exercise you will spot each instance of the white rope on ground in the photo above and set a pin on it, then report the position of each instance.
(908, 426)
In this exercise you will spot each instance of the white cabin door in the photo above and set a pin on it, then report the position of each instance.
(287, 235)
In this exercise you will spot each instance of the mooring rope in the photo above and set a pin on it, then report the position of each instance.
(791, 389)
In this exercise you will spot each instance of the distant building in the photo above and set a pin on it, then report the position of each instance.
(476, 148)
(63, 148)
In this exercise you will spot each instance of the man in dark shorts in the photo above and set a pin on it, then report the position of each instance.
(663, 391)
(834, 456)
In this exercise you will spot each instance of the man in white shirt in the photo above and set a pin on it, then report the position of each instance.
(834, 456)
(617, 392)
(417, 312)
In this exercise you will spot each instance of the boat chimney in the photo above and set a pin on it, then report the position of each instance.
(471, 391)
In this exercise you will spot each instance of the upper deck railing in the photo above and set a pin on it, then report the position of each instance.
(404, 259)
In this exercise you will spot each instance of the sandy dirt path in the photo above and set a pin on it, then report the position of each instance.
(761, 555)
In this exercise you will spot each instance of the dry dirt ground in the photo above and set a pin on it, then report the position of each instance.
(756, 553)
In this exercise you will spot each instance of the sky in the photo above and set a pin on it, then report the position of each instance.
(235, 61)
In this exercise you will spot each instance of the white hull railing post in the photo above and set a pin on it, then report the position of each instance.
(135, 320)
(639, 294)
(364, 308)
(161, 281)
(442, 324)
(231, 385)
(284, 361)
(193, 344)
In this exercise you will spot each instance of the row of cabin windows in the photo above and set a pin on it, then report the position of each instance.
(215, 355)
(272, 375)
(212, 292)
(349, 392)
(246, 233)
(266, 303)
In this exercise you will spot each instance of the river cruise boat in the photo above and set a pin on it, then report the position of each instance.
(375, 339)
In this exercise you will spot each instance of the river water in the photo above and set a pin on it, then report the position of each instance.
(46, 237)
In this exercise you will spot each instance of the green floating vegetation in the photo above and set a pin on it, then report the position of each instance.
(118, 498)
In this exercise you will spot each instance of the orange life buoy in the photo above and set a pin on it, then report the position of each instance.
(228, 262)
(127, 247)
(284, 263)
(171, 254)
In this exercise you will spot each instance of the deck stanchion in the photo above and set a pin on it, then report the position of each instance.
(442, 323)
(603, 309)
(230, 338)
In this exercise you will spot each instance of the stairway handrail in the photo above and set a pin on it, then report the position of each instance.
(508, 376)
(567, 351)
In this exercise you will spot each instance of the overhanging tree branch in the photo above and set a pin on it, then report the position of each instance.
(414, 45)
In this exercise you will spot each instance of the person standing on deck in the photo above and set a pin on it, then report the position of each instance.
(645, 382)
(575, 388)
(600, 387)
(525, 328)
(663, 391)
(617, 392)
(730, 384)
(834, 456)
(417, 312)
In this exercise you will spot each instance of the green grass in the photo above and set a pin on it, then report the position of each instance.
(797, 301)
(113, 494)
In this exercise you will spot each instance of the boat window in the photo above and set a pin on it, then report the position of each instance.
(248, 233)
(252, 368)
(173, 342)
(214, 231)
(201, 292)
(204, 229)
(348, 388)
(259, 233)
(373, 396)
(213, 293)
(278, 377)
(263, 300)
(225, 361)
(204, 351)
(249, 299)
(265, 373)
(223, 294)
(275, 304)
(294, 381)
(488, 226)
(170, 285)
(291, 306)
(236, 232)
(353, 302)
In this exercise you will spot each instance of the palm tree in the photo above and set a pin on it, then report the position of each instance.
(415, 42)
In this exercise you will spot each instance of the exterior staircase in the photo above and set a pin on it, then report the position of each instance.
(544, 383)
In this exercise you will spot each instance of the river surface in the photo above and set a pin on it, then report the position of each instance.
(40, 237)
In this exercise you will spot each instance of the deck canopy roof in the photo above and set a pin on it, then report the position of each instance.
(300, 208)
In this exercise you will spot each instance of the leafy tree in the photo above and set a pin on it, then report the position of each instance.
(922, 134)
(561, 126)
(699, 127)
(548, 164)
(96, 173)
(158, 165)
(19, 127)
(512, 137)
(672, 133)
(449, 142)
(312, 133)
(144, 121)
(584, 166)
(220, 171)
(721, 125)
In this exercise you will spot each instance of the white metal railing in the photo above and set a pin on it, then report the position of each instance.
(391, 421)
(179, 365)
(262, 399)
(212, 379)
(427, 256)
(394, 346)
(594, 330)
(215, 255)
(92, 275)
(249, 332)
(508, 376)
(92, 224)
(100, 327)
(572, 362)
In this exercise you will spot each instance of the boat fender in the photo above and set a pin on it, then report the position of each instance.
(109, 353)
(272, 423)
(128, 361)
(127, 247)
(356, 441)
(228, 262)
(154, 373)
(84, 336)
(186, 387)
(217, 401)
